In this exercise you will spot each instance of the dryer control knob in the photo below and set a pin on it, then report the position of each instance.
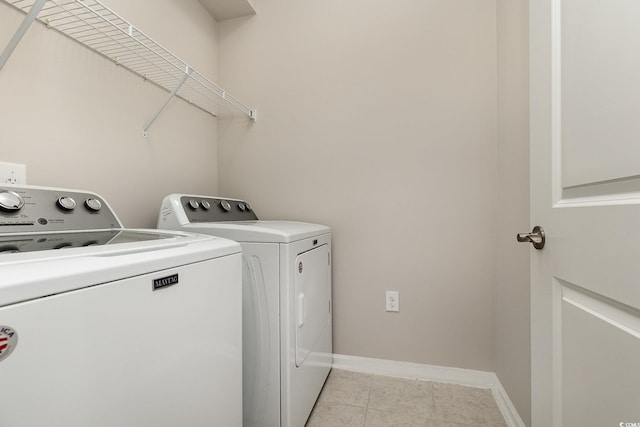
(10, 201)
(226, 206)
(242, 206)
(205, 205)
(93, 205)
(246, 205)
(193, 204)
(66, 203)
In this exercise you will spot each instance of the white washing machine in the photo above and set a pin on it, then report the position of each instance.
(103, 326)
(287, 343)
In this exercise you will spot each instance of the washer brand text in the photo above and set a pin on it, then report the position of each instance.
(163, 282)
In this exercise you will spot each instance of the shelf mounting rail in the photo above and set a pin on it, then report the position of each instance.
(94, 25)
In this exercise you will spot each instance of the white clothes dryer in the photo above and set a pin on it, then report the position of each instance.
(287, 326)
(104, 326)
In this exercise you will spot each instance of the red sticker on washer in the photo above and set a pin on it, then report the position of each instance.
(8, 341)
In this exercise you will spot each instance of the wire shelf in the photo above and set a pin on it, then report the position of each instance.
(99, 28)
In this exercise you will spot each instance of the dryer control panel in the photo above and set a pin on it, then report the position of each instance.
(213, 209)
(29, 209)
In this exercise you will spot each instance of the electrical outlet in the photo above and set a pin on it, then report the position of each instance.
(13, 173)
(393, 301)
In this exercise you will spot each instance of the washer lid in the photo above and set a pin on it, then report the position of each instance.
(130, 253)
(259, 231)
(20, 243)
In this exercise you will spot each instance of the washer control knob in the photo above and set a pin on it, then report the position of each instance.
(193, 204)
(93, 205)
(242, 206)
(10, 201)
(205, 205)
(66, 203)
(246, 205)
(226, 206)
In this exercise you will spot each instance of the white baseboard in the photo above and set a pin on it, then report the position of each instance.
(418, 371)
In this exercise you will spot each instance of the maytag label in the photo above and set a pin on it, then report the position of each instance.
(163, 282)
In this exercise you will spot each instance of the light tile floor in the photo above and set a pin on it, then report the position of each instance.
(351, 399)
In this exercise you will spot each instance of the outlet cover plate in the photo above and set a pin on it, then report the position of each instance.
(13, 173)
(392, 301)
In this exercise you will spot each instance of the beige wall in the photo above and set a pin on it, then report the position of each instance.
(378, 119)
(76, 120)
(512, 326)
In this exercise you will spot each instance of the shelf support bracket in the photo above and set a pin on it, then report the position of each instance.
(187, 71)
(22, 29)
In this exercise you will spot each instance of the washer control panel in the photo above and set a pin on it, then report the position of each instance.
(37, 209)
(213, 209)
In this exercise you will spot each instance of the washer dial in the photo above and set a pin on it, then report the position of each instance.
(226, 206)
(10, 201)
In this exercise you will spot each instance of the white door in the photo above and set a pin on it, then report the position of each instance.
(585, 136)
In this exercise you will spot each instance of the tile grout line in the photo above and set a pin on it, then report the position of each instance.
(366, 410)
(433, 402)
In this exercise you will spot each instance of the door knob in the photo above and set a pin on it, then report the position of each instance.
(536, 237)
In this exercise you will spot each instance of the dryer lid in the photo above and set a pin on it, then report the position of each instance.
(260, 231)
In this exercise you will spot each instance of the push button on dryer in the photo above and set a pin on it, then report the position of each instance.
(226, 206)
(66, 203)
(93, 205)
